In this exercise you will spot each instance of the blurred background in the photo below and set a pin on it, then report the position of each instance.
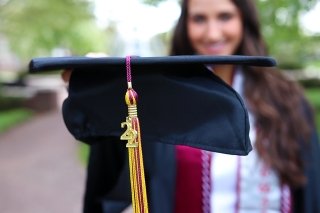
(42, 168)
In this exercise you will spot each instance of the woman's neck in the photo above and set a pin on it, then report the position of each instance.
(225, 72)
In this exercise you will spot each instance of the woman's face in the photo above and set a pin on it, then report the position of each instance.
(214, 26)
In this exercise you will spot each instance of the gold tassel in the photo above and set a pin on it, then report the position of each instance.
(133, 136)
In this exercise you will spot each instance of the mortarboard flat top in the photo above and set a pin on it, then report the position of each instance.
(180, 100)
(56, 63)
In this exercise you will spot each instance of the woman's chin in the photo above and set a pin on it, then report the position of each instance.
(215, 52)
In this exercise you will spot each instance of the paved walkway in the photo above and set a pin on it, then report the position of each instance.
(39, 168)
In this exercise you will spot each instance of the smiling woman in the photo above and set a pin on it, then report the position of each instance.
(214, 27)
(277, 161)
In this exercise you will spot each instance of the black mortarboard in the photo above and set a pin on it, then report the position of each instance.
(180, 100)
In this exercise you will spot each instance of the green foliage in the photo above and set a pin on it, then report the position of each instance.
(10, 102)
(83, 151)
(313, 95)
(10, 118)
(282, 30)
(311, 83)
(36, 27)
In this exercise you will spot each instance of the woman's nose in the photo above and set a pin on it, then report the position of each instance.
(214, 31)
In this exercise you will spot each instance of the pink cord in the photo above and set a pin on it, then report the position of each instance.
(128, 66)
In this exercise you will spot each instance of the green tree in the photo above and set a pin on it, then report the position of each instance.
(283, 31)
(36, 27)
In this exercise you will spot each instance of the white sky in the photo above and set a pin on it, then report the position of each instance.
(136, 19)
(311, 21)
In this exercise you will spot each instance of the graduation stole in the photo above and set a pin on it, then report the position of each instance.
(133, 137)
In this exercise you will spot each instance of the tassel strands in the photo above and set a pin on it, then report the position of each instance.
(133, 137)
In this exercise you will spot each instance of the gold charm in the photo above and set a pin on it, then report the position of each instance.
(130, 134)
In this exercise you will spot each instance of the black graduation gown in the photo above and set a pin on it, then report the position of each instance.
(108, 186)
(307, 199)
(108, 183)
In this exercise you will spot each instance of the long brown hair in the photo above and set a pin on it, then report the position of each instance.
(275, 101)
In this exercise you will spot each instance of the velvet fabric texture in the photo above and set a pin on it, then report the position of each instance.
(178, 104)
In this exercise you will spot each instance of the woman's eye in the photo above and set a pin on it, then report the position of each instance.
(198, 19)
(225, 16)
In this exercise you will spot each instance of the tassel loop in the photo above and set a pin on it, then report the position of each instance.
(133, 136)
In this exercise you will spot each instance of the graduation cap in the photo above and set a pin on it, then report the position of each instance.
(181, 102)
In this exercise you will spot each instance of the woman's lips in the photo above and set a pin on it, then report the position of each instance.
(214, 48)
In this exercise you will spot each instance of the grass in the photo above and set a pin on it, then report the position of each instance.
(83, 152)
(12, 117)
